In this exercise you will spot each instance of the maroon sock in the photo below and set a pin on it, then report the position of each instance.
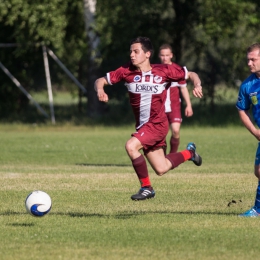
(174, 144)
(176, 159)
(141, 170)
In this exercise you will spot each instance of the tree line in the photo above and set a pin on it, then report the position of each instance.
(92, 37)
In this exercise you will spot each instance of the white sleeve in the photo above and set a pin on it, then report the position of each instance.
(186, 72)
(108, 79)
(177, 84)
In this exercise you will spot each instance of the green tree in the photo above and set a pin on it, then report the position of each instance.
(94, 107)
(57, 24)
(224, 30)
(210, 37)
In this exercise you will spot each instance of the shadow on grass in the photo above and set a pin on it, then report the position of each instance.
(120, 114)
(128, 215)
(21, 224)
(12, 213)
(104, 165)
(123, 215)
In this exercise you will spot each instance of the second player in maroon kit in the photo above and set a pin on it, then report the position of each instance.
(146, 84)
(173, 112)
(173, 101)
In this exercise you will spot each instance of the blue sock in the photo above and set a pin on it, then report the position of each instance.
(257, 198)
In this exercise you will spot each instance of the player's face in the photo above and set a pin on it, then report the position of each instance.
(138, 56)
(253, 61)
(165, 56)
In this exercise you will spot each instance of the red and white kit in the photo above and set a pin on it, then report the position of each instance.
(147, 89)
(173, 102)
(147, 94)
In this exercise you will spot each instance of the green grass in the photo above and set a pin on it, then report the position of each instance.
(89, 177)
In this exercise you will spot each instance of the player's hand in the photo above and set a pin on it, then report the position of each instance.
(188, 111)
(257, 134)
(102, 96)
(197, 91)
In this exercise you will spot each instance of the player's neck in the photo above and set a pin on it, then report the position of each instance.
(167, 63)
(144, 67)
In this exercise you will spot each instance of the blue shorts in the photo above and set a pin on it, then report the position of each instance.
(257, 155)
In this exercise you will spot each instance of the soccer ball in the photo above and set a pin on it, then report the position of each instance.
(38, 203)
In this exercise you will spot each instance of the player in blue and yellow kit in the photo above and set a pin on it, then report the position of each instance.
(249, 97)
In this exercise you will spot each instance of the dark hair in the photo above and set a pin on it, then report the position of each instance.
(145, 43)
(165, 46)
(255, 46)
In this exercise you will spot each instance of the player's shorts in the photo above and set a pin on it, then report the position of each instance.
(152, 136)
(173, 106)
(257, 156)
(174, 116)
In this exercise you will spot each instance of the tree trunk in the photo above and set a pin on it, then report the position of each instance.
(179, 27)
(94, 107)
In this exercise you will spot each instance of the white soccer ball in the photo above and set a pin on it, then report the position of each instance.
(38, 203)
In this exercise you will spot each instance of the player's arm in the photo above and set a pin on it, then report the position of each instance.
(197, 90)
(186, 96)
(194, 77)
(247, 122)
(99, 87)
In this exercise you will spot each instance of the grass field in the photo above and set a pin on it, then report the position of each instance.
(89, 177)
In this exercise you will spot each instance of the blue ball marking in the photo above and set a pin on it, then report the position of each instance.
(35, 212)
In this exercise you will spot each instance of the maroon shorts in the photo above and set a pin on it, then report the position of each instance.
(152, 136)
(174, 115)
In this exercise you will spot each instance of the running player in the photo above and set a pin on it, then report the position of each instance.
(173, 101)
(146, 85)
(249, 97)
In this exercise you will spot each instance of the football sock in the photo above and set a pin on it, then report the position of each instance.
(145, 182)
(141, 170)
(174, 144)
(188, 154)
(177, 158)
(257, 198)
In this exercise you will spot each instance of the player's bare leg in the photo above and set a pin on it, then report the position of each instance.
(133, 146)
(158, 161)
(162, 164)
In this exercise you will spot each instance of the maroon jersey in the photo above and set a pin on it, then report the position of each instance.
(147, 89)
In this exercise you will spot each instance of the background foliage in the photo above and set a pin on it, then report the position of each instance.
(209, 37)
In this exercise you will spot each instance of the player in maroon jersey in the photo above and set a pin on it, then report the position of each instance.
(173, 101)
(146, 84)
